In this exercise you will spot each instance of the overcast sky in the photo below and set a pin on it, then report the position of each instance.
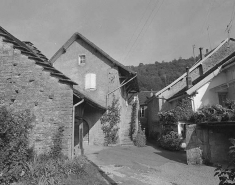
(131, 31)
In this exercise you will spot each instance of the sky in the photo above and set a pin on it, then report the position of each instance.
(130, 31)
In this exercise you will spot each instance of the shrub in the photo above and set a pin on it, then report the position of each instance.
(14, 144)
(46, 170)
(227, 175)
(170, 141)
(140, 139)
(133, 121)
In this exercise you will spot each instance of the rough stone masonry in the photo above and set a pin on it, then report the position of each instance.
(26, 85)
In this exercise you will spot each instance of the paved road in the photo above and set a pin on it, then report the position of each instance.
(149, 165)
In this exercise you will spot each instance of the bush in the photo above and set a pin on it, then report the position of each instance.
(170, 141)
(14, 144)
(140, 139)
(47, 170)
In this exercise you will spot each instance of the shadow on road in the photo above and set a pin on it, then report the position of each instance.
(102, 173)
(178, 156)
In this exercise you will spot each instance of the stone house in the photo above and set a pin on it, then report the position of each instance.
(101, 78)
(191, 85)
(209, 142)
(29, 81)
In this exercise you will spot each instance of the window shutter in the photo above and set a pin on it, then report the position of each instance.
(90, 82)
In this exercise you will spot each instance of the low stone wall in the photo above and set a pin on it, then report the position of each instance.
(208, 144)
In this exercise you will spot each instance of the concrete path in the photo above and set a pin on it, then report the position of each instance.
(148, 165)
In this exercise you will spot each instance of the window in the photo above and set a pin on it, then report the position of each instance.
(90, 82)
(142, 111)
(81, 60)
(222, 97)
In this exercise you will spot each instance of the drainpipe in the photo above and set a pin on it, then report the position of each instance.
(118, 88)
(74, 106)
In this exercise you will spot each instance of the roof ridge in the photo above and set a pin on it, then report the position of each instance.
(192, 68)
(26, 51)
(77, 35)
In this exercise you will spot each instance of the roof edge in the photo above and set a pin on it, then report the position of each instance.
(193, 67)
(78, 35)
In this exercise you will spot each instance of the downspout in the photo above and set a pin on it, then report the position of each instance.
(74, 106)
(117, 89)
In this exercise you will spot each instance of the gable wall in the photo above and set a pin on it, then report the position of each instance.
(107, 79)
(24, 85)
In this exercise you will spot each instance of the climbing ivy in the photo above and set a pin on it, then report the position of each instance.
(110, 121)
(133, 120)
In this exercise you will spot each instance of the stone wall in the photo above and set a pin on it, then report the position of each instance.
(24, 85)
(208, 144)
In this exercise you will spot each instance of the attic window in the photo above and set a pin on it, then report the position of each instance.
(81, 60)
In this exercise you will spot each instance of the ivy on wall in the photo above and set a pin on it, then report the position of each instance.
(110, 121)
(133, 120)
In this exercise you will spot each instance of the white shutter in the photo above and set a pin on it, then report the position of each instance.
(90, 82)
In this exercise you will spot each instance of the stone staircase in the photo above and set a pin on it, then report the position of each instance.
(125, 130)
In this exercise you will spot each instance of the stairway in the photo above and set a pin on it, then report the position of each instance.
(125, 130)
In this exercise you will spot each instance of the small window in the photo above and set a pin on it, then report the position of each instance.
(81, 59)
(142, 112)
(222, 98)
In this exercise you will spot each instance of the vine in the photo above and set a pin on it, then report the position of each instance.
(110, 121)
(133, 120)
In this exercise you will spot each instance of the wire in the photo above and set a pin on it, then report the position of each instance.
(151, 20)
(136, 29)
(141, 30)
(230, 24)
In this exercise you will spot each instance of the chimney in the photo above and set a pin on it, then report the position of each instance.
(151, 93)
(188, 79)
(207, 51)
(201, 56)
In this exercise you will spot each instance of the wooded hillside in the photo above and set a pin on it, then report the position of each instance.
(158, 75)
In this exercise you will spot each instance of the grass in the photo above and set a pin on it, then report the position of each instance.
(45, 170)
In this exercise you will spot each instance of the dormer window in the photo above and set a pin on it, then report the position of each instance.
(81, 60)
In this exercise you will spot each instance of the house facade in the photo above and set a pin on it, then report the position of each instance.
(101, 78)
(143, 96)
(193, 84)
(28, 81)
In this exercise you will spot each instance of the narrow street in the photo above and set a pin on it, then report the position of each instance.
(148, 165)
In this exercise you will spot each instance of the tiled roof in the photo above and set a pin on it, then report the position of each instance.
(33, 53)
(227, 60)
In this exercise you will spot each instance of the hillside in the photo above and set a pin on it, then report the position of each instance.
(158, 75)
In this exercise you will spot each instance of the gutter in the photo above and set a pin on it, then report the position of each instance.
(107, 95)
(74, 106)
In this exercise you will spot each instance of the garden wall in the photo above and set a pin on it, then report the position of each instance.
(208, 143)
